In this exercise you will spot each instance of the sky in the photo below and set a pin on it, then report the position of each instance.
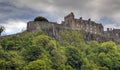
(14, 14)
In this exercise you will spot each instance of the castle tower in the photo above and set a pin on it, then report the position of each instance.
(69, 20)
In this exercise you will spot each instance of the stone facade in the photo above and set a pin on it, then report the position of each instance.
(91, 29)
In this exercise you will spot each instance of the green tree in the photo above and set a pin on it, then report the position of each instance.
(2, 28)
(40, 18)
(40, 64)
(74, 57)
(32, 53)
(59, 59)
(73, 38)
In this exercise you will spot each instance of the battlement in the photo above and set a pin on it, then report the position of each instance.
(93, 30)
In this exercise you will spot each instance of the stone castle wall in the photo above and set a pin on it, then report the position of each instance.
(92, 30)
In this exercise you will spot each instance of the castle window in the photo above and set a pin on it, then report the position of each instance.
(95, 32)
(90, 28)
(87, 28)
(91, 31)
(77, 25)
(86, 25)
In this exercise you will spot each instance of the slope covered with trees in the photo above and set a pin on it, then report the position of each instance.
(37, 51)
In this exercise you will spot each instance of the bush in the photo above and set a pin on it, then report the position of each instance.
(40, 18)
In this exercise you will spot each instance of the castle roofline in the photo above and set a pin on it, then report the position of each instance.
(71, 14)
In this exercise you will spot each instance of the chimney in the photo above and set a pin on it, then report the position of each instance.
(89, 19)
(80, 18)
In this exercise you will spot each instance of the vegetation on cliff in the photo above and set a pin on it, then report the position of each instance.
(2, 28)
(40, 18)
(37, 51)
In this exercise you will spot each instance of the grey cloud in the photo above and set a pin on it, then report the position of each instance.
(57, 9)
(94, 7)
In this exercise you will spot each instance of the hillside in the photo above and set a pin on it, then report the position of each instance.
(37, 51)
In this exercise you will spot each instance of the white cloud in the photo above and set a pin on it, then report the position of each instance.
(14, 26)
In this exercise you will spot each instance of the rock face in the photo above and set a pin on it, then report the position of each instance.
(91, 29)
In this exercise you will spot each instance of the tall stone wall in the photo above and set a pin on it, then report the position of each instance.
(92, 30)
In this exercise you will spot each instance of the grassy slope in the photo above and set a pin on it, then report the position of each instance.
(37, 51)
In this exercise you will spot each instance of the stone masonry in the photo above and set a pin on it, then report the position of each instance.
(91, 29)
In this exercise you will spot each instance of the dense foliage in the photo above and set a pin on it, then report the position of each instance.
(37, 51)
(40, 18)
(2, 28)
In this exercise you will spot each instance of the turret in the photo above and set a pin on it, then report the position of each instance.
(80, 18)
(89, 19)
(108, 29)
(69, 16)
(69, 19)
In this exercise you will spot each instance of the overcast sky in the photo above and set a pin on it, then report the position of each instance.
(14, 14)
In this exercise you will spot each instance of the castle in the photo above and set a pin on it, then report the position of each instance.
(91, 29)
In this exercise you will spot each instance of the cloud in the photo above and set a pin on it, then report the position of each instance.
(87, 8)
(106, 12)
(14, 26)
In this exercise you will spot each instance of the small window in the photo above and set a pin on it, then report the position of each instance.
(95, 32)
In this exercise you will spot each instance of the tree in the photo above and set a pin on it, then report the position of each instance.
(40, 64)
(74, 57)
(2, 28)
(32, 53)
(40, 18)
(57, 63)
(66, 38)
